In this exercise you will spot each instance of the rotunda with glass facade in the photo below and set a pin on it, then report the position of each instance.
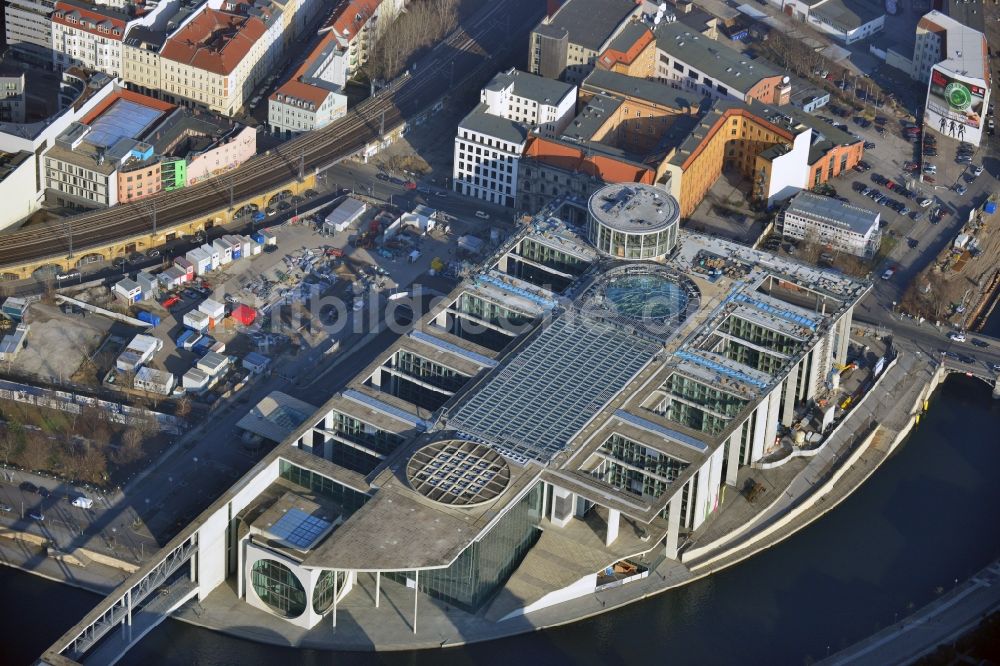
(633, 221)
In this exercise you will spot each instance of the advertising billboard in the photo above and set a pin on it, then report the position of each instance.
(955, 105)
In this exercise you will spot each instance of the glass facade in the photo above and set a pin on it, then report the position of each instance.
(547, 256)
(323, 593)
(278, 588)
(490, 312)
(634, 468)
(428, 371)
(697, 405)
(628, 245)
(350, 500)
(362, 434)
(475, 575)
(759, 336)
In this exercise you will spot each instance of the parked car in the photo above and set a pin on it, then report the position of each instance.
(482, 215)
(982, 344)
(961, 189)
(869, 145)
(977, 170)
(83, 502)
(956, 336)
(382, 176)
(171, 301)
(153, 254)
(924, 202)
(889, 272)
(28, 487)
(37, 515)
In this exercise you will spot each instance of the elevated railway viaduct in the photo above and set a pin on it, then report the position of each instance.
(290, 169)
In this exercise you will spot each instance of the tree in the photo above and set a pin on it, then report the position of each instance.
(183, 409)
(131, 446)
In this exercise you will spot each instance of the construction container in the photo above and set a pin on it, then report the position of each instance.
(128, 290)
(212, 254)
(224, 249)
(197, 320)
(14, 308)
(213, 309)
(148, 317)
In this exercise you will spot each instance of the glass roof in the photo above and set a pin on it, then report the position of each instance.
(124, 119)
(534, 405)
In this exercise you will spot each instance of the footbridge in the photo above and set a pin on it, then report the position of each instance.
(134, 609)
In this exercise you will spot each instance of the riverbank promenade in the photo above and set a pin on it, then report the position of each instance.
(938, 623)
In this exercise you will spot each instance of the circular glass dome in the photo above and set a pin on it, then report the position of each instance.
(647, 297)
(278, 587)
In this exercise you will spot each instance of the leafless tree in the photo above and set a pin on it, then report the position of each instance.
(423, 23)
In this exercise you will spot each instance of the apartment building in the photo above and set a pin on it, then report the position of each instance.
(567, 43)
(313, 97)
(216, 59)
(88, 35)
(356, 25)
(631, 52)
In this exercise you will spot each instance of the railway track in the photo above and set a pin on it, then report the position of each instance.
(463, 52)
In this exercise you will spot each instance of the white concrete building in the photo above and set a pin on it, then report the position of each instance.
(952, 59)
(544, 105)
(491, 138)
(80, 94)
(314, 96)
(28, 29)
(829, 221)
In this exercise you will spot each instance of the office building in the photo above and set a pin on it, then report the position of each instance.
(492, 136)
(567, 43)
(558, 406)
(832, 223)
(28, 29)
(702, 66)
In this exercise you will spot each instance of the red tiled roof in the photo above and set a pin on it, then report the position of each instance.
(214, 41)
(350, 16)
(122, 93)
(572, 158)
(89, 20)
(303, 91)
(294, 87)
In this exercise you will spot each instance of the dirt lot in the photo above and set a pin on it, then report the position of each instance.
(58, 343)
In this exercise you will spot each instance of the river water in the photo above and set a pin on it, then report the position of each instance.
(926, 518)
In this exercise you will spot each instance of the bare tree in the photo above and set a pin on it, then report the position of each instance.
(183, 409)
(131, 447)
(423, 23)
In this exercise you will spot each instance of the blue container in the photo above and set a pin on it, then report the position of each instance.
(148, 317)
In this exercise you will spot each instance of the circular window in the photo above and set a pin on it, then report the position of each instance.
(324, 591)
(278, 587)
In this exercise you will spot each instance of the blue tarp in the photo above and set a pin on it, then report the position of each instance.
(990, 207)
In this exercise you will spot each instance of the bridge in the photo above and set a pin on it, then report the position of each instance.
(288, 170)
(967, 358)
(133, 610)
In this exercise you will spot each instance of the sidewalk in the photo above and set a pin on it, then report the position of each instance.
(938, 622)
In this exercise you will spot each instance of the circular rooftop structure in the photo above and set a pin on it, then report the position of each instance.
(458, 472)
(633, 221)
(648, 297)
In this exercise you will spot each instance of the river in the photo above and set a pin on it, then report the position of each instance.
(924, 519)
